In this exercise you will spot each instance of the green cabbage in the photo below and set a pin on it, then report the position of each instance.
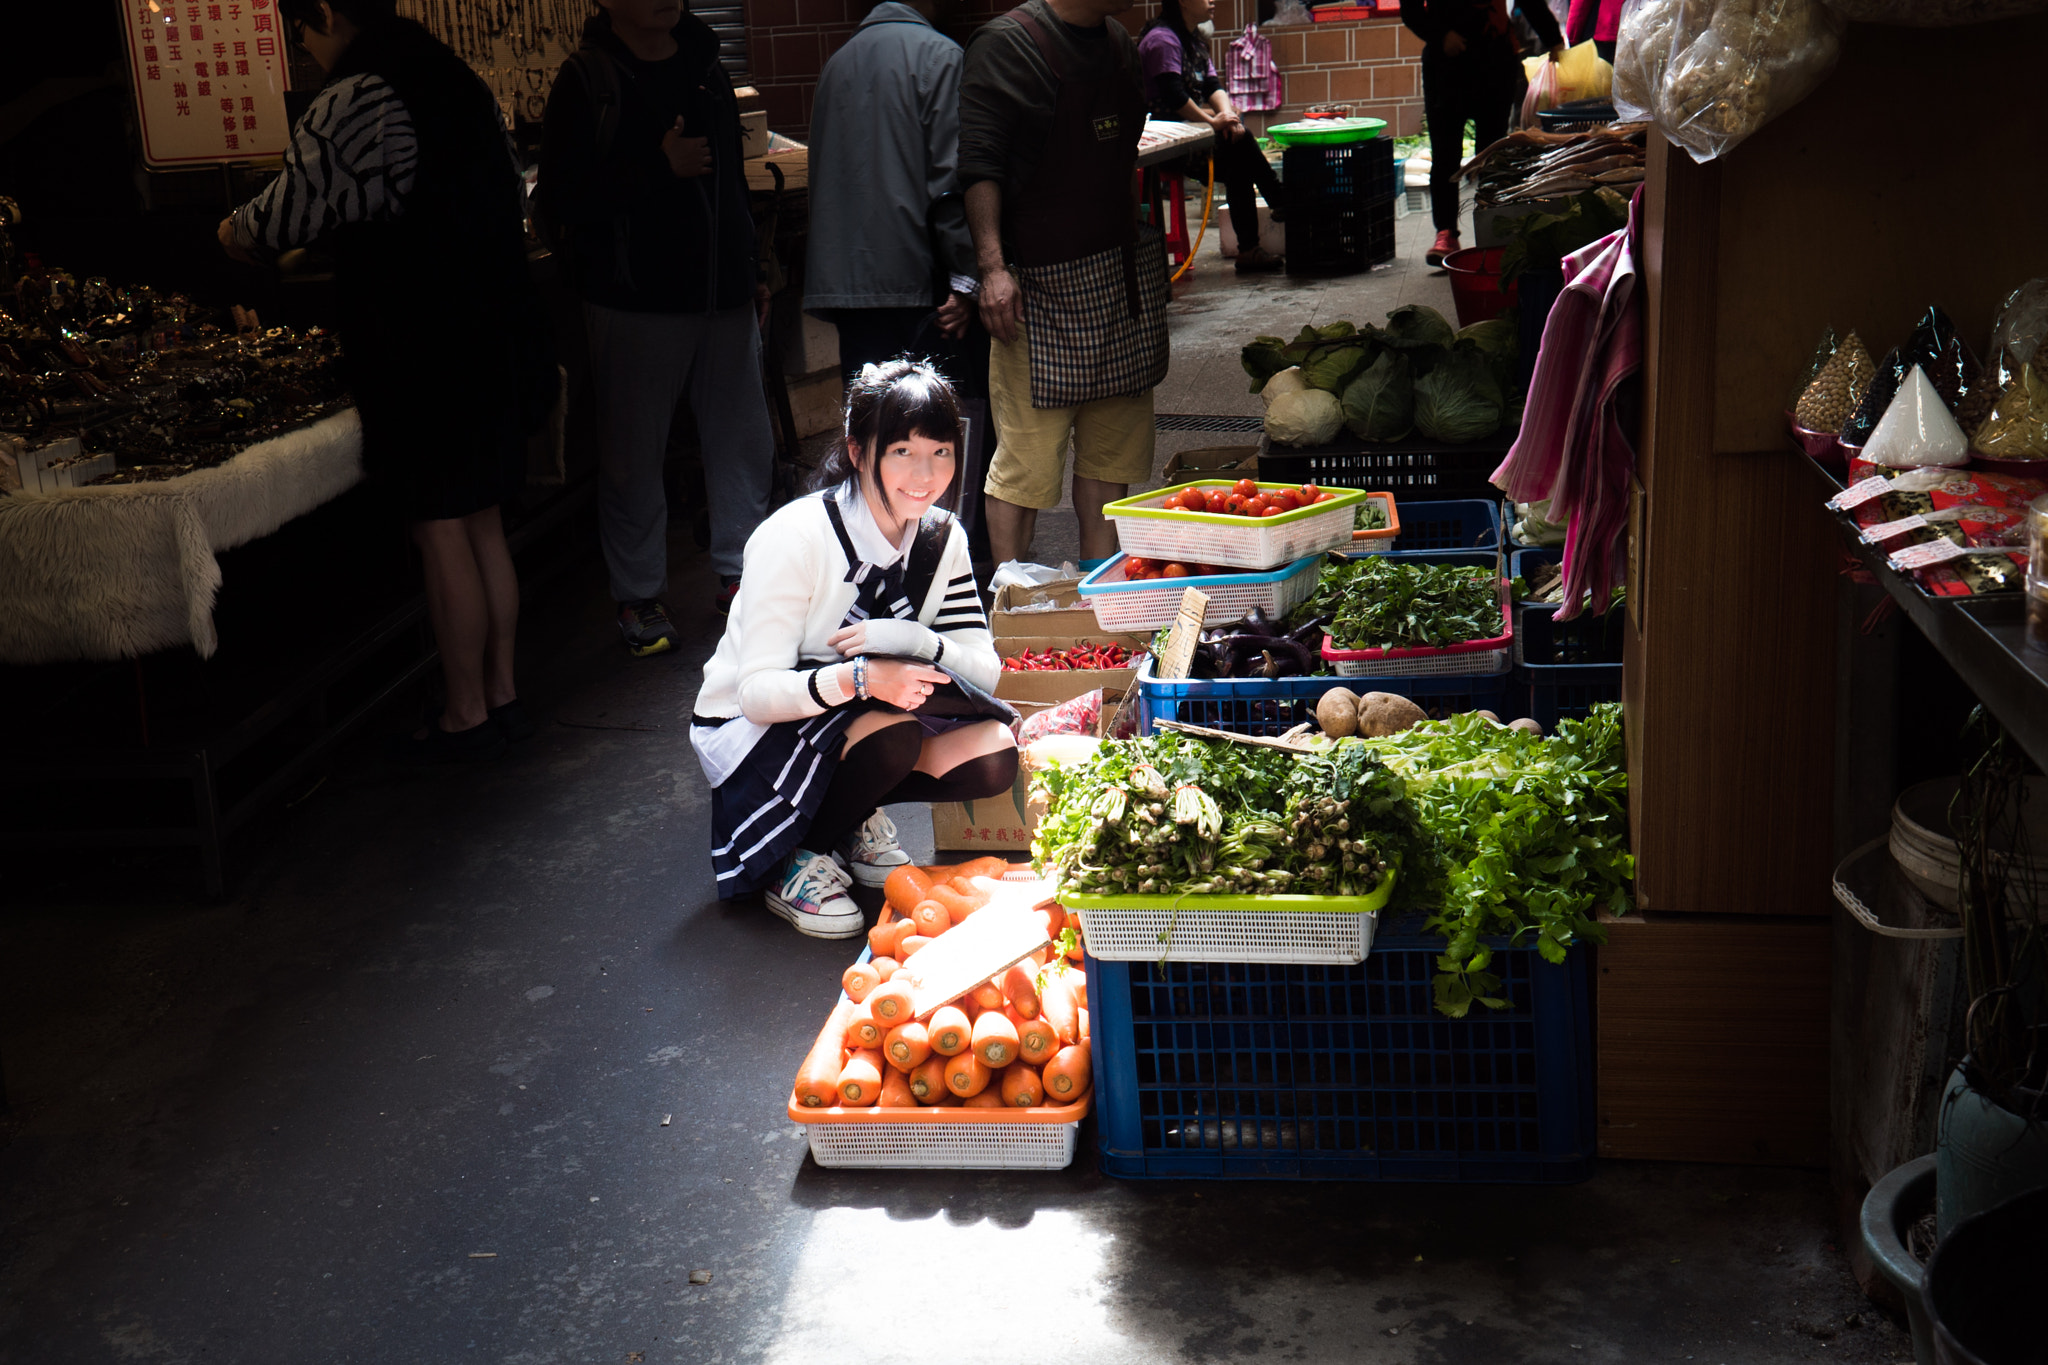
(1287, 381)
(1308, 418)
(1262, 359)
(1495, 336)
(1330, 368)
(1416, 324)
(1459, 400)
(1379, 405)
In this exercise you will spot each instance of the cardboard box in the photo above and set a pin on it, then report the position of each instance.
(1000, 825)
(1053, 687)
(753, 134)
(1070, 616)
(1211, 462)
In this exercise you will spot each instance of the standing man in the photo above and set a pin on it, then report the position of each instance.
(641, 172)
(889, 241)
(1471, 69)
(1051, 107)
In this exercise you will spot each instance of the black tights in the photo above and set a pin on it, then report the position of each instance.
(880, 770)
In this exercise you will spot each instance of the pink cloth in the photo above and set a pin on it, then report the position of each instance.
(1606, 22)
(1572, 449)
(1251, 75)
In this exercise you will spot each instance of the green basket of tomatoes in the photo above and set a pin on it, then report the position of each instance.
(1241, 524)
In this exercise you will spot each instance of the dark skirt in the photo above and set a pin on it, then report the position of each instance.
(762, 812)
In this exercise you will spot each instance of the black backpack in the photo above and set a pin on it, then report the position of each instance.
(601, 82)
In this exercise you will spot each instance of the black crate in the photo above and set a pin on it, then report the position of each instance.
(1414, 468)
(1332, 237)
(1355, 172)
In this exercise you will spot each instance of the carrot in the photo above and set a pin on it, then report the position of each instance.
(817, 1080)
(939, 873)
(905, 887)
(1055, 922)
(966, 1075)
(988, 995)
(885, 967)
(928, 1081)
(1058, 1000)
(896, 1092)
(860, 1080)
(1066, 1076)
(906, 1045)
(949, 1032)
(862, 1030)
(980, 867)
(1084, 1024)
(958, 907)
(891, 1002)
(1021, 991)
(1080, 985)
(907, 946)
(979, 896)
(1021, 1087)
(995, 1039)
(990, 1098)
(859, 979)
(1038, 1041)
(931, 918)
(882, 938)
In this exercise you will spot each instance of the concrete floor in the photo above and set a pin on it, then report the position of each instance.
(468, 1067)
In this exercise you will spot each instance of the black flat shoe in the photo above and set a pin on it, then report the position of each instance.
(512, 719)
(478, 744)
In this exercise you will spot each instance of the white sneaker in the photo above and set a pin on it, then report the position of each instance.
(813, 898)
(871, 854)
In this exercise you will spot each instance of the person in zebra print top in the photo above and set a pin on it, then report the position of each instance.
(855, 605)
(401, 169)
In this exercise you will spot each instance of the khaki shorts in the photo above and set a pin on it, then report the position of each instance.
(1112, 437)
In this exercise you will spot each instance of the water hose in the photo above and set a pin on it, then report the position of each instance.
(1208, 198)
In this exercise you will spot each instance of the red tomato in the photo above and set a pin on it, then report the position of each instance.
(1135, 567)
(1309, 491)
(1257, 506)
(1246, 489)
(1326, 497)
(1174, 571)
(1194, 500)
(1233, 506)
(1273, 510)
(1172, 503)
(1287, 499)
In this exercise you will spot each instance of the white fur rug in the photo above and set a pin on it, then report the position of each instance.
(111, 573)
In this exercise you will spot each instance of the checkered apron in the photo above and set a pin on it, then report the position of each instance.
(1097, 326)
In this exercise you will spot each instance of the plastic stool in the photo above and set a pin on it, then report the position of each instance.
(1173, 222)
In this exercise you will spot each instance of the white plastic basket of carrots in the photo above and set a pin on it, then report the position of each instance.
(996, 1079)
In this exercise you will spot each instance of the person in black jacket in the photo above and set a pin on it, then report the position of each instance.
(641, 173)
(402, 168)
(1470, 70)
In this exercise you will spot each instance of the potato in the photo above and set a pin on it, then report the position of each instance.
(1489, 715)
(1337, 712)
(1383, 713)
(1529, 724)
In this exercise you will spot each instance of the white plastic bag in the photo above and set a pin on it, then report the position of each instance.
(1542, 93)
(1709, 73)
(1289, 12)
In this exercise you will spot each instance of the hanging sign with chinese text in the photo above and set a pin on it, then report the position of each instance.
(209, 79)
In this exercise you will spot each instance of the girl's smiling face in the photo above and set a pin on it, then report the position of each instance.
(911, 475)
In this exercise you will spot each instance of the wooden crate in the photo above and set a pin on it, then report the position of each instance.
(1711, 1034)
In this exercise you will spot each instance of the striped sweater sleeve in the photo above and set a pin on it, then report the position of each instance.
(352, 160)
(960, 622)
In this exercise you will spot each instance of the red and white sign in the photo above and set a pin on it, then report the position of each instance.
(209, 79)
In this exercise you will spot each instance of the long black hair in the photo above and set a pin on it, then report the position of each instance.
(887, 403)
(1193, 47)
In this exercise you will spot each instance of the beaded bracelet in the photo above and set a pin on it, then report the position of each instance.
(860, 676)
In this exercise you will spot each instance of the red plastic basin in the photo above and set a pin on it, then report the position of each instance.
(1475, 284)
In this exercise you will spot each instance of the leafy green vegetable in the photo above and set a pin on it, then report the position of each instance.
(1460, 399)
(1372, 516)
(1419, 324)
(1379, 405)
(1382, 603)
(1262, 358)
(1331, 367)
(1541, 241)
(1171, 814)
(1530, 838)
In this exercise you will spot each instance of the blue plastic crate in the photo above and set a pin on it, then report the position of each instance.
(1283, 1072)
(1260, 706)
(1459, 524)
(1568, 692)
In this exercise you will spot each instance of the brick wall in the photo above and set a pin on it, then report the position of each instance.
(1373, 64)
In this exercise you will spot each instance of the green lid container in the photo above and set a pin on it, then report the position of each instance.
(1327, 132)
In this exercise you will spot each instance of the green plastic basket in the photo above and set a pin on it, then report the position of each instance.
(1327, 132)
(1149, 531)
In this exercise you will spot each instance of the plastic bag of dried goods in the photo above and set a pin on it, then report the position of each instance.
(1711, 72)
(2021, 326)
(2017, 426)
(1947, 361)
(1834, 392)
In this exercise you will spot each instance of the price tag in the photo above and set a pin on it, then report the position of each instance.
(1936, 552)
(1889, 529)
(1185, 635)
(1860, 492)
